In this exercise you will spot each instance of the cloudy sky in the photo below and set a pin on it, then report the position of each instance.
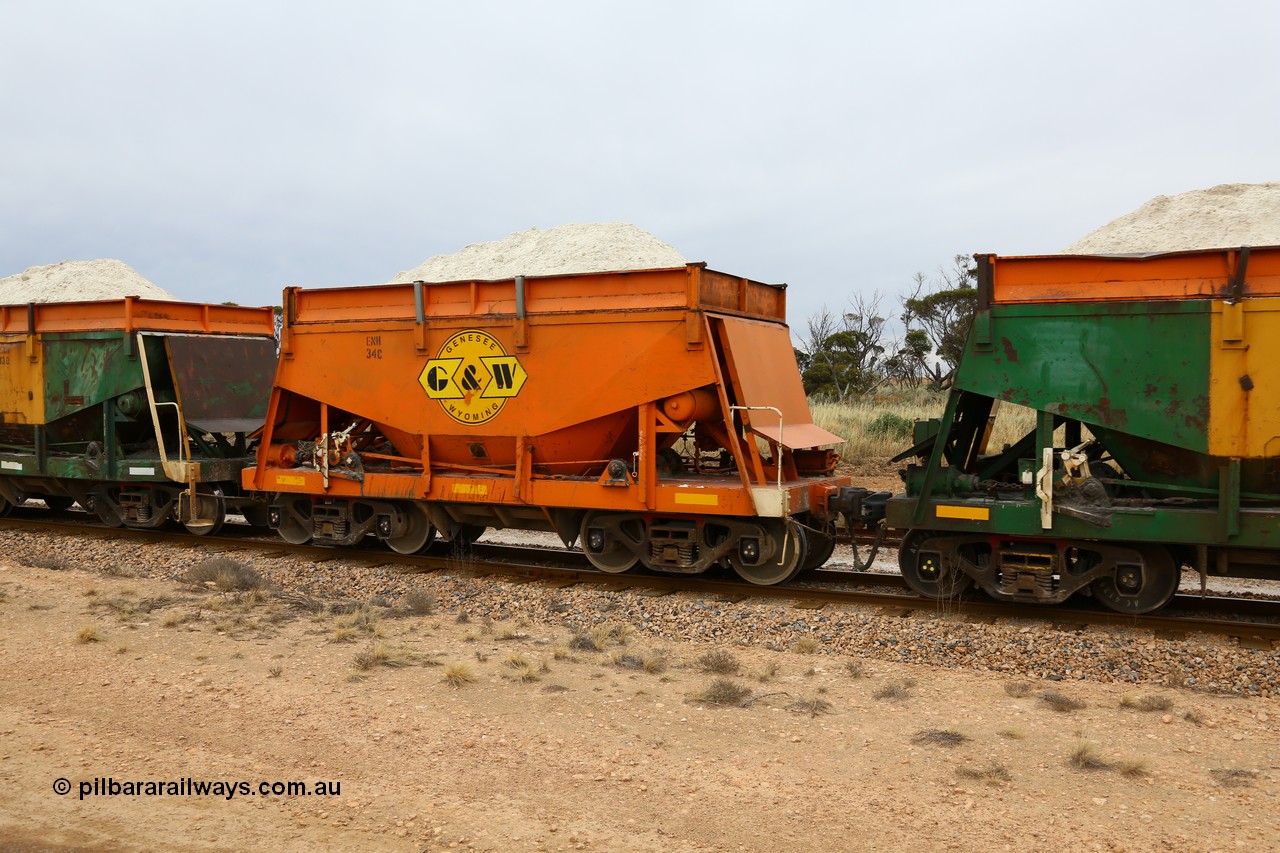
(226, 150)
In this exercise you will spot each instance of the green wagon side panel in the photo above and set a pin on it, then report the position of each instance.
(83, 369)
(1139, 368)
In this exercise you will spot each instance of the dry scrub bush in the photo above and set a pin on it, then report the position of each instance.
(812, 706)
(1233, 778)
(725, 693)
(995, 772)
(225, 574)
(652, 662)
(766, 673)
(939, 737)
(1147, 703)
(1060, 701)
(88, 634)
(1018, 689)
(418, 602)
(855, 668)
(458, 674)
(275, 671)
(718, 662)
(45, 561)
(806, 646)
(896, 690)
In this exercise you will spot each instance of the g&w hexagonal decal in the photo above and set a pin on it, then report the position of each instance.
(472, 376)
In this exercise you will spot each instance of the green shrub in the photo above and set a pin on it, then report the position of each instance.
(889, 425)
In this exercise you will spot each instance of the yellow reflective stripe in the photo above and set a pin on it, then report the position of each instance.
(972, 513)
(697, 499)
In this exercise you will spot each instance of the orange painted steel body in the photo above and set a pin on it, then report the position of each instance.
(132, 314)
(1119, 278)
(519, 392)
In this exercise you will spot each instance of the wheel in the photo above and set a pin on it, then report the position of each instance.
(418, 532)
(106, 511)
(925, 572)
(211, 512)
(5, 507)
(821, 541)
(58, 503)
(294, 525)
(604, 541)
(1142, 588)
(789, 553)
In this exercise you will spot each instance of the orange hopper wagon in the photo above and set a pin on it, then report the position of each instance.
(657, 416)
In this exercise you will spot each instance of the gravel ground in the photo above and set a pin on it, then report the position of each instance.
(1009, 647)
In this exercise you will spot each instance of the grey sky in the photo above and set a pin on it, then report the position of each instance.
(226, 150)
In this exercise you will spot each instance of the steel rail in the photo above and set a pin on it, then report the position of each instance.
(549, 564)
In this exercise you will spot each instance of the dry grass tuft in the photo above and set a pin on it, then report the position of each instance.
(718, 662)
(600, 637)
(1175, 677)
(45, 561)
(1194, 715)
(1147, 703)
(766, 673)
(724, 693)
(896, 690)
(457, 675)
(1233, 777)
(351, 626)
(524, 674)
(380, 655)
(939, 737)
(1059, 701)
(807, 646)
(418, 602)
(88, 634)
(275, 671)
(509, 633)
(652, 662)
(1134, 768)
(225, 574)
(995, 772)
(813, 707)
(1085, 756)
(855, 668)
(1018, 689)
(1012, 734)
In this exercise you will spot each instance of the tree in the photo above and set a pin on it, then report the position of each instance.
(942, 310)
(841, 355)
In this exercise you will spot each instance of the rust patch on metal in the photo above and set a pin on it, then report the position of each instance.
(1010, 352)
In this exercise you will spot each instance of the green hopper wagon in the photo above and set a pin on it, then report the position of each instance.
(1154, 383)
(140, 411)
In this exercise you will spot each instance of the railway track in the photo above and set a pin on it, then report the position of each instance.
(1242, 618)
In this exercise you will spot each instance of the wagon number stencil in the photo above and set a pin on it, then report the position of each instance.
(472, 377)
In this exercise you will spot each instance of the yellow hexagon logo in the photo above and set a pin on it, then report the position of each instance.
(472, 376)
